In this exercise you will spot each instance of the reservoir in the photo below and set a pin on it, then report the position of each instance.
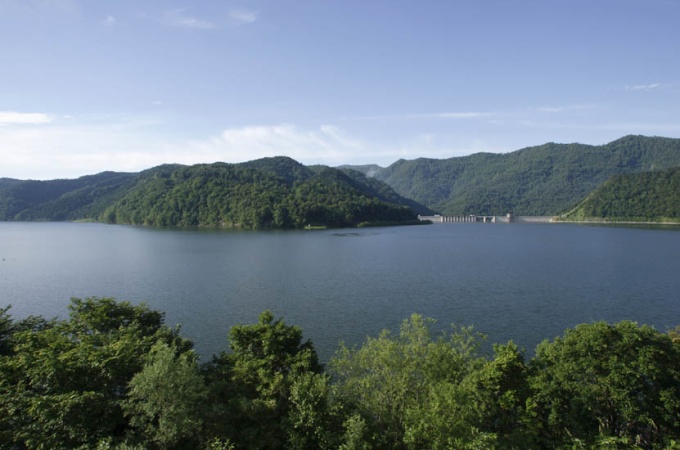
(525, 282)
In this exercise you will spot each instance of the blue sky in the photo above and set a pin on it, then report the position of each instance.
(93, 85)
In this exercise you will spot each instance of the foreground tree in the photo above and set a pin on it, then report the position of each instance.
(252, 384)
(63, 385)
(166, 398)
(413, 390)
(6, 331)
(607, 383)
(113, 376)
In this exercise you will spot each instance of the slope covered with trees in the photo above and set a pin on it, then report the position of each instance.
(271, 192)
(61, 199)
(544, 180)
(274, 192)
(647, 197)
(114, 376)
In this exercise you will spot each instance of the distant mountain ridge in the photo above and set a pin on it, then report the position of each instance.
(545, 180)
(267, 193)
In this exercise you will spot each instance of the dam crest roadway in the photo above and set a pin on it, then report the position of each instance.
(473, 218)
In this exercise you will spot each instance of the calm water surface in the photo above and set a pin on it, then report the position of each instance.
(519, 281)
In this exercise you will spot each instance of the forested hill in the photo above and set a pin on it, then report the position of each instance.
(544, 180)
(271, 192)
(647, 197)
(85, 197)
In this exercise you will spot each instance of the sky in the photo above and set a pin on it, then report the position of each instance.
(94, 85)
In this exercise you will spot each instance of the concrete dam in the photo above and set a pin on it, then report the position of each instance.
(472, 218)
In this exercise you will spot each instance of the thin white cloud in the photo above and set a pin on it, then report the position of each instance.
(642, 87)
(110, 21)
(443, 115)
(243, 16)
(325, 145)
(77, 147)
(178, 18)
(18, 118)
(565, 108)
(459, 115)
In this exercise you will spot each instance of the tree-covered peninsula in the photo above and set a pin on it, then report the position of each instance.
(268, 193)
(114, 376)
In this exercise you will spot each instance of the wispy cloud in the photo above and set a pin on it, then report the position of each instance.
(642, 87)
(326, 144)
(565, 108)
(243, 16)
(179, 18)
(19, 118)
(442, 115)
(77, 147)
(110, 21)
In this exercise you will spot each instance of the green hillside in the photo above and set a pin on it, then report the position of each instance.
(648, 196)
(84, 197)
(271, 192)
(544, 180)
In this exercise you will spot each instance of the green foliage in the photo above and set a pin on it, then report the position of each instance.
(413, 391)
(113, 376)
(312, 419)
(607, 381)
(647, 197)
(259, 383)
(503, 382)
(6, 331)
(63, 384)
(544, 180)
(165, 399)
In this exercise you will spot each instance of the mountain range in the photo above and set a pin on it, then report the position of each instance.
(278, 192)
(544, 180)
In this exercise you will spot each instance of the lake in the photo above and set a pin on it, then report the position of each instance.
(525, 282)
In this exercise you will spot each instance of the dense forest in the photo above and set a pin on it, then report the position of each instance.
(268, 193)
(545, 180)
(644, 197)
(114, 376)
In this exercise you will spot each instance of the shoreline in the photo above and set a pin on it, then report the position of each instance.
(613, 222)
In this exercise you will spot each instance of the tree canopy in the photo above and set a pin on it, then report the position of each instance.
(114, 376)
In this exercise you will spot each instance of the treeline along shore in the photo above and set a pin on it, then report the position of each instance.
(114, 376)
